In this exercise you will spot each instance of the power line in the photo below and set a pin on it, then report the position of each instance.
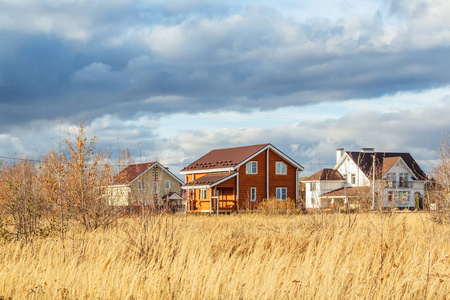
(118, 165)
(22, 159)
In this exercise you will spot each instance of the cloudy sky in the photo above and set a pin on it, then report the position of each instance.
(172, 80)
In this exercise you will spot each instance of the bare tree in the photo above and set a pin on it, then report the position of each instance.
(125, 158)
(21, 202)
(441, 175)
(88, 174)
(52, 180)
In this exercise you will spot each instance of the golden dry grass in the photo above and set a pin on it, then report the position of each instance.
(250, 256)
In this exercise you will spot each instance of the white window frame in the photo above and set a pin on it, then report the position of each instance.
(167, 184)
(280, 168)
(352, 178)
(404, 197)
(390, 197)
(403, 180)
(280, 192)
(390, 180)
(253, 193)
(251, 167)
(156, 187)
(203, 195)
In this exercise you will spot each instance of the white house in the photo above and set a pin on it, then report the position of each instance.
(147, 183)
(397, 181)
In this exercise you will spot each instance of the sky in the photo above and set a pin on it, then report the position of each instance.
(172, 80)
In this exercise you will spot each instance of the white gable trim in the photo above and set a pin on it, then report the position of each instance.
(342, 160)
(162, 168)
(175, 196)
(224, 179)
(149, 168)
(406, 167)
(318, 180)
(118, 185)
(200, 187)
(281, 154)
(207, 171)
(207, 186)
(170, 173)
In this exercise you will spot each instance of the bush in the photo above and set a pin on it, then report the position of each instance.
(273, 205)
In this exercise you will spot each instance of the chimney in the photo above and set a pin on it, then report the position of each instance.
(339, 153)
(367, 150)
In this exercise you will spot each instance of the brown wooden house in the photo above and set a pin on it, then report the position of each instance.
(235, 179)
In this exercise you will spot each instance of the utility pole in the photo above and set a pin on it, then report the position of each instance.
(373, 182)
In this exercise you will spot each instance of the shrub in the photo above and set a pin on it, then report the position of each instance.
(273, 205)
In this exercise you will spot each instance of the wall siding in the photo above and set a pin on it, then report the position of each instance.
(246, 182)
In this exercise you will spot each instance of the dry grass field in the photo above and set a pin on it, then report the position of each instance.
(246, 256)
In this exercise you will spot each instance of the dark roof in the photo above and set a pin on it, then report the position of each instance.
(383, 162)
(210, 179)
(359, 191)
(128, 174)
(224, 158)
(325, 174)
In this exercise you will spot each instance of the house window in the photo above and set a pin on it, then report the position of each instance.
(313, 186)
(203, 194)
(281, 193)
(404, 197)
(403, 180)
(252, 167)
(141, 185)
(167, 184)
(155, 187)
(390, 196)
(391, 180)
(253, 193)
(281, 168)
(353, 179)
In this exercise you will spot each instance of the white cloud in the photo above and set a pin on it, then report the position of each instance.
(69, 19)
(187, 76)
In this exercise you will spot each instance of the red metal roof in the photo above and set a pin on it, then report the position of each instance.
(359, 191)
(131, 172)
(325, 174)
(224, 158)
(388, 163)
(210, 179)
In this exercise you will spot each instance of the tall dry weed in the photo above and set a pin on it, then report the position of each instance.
(250, 256)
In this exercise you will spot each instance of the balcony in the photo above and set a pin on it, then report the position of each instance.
(402, 184)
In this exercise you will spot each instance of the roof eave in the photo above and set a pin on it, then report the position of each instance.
(271, 147)
(196, 171)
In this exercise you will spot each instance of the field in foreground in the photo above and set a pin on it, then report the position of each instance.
(250, 256)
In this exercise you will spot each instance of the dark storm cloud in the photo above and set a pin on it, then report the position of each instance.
(157, 58)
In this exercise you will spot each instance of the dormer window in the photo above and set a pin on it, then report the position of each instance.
(252, 167)
(281, 168)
